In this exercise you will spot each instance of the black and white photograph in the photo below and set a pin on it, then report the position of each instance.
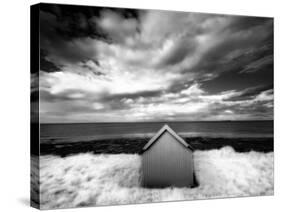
(134, 106)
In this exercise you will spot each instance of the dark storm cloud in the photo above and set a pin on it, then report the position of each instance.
(143, 94)
(248, 22)
(250, 93)
(58, 33)
(59, 49)
(45, 64)
(66, 32)
(69, 21)
(107, 64)
(258, 64)
(237, 49)
(234, 79)
(232, 66)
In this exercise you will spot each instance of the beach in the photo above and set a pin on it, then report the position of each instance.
(86, 165)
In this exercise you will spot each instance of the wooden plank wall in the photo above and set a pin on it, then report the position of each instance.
(167, 163)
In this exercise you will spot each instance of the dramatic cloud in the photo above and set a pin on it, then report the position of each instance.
(109, 64)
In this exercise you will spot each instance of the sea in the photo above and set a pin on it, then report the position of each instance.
(74, 132)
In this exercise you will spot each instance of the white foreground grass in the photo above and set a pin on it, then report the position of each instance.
(88, 180)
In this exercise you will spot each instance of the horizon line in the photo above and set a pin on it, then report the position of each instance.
(120, 122)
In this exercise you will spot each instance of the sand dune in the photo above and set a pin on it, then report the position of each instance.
(104, 179)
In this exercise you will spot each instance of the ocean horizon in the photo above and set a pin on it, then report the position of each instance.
(90, 131)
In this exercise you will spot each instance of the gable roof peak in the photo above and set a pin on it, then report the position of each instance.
(166, 126)
(160, 132)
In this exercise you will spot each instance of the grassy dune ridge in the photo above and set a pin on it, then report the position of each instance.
(88, 179)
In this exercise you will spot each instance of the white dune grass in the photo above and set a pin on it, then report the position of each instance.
(88, 179)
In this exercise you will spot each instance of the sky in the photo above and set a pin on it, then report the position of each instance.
(124, 65)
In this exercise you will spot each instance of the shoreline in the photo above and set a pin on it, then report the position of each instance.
(134, 145)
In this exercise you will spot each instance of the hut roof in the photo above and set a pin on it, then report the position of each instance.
(165, 128)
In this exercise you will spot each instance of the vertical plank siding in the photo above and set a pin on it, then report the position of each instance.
(167, 163)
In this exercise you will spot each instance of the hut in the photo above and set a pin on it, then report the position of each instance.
(167, 160)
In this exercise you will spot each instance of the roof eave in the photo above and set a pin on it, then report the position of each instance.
(159, 133)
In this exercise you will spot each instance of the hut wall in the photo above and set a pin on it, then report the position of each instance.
(167, 163)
